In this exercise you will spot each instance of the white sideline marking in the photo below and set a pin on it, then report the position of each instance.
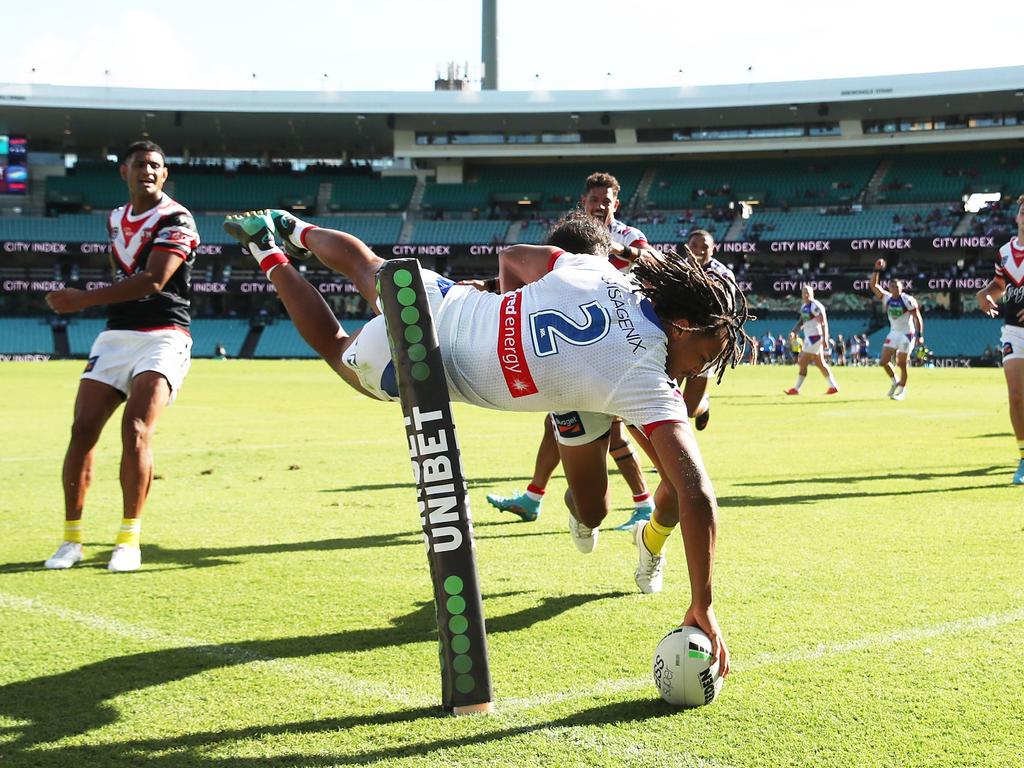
(229, 652)
(821, 651)
(630, 754)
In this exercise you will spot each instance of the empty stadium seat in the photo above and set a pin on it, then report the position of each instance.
(26, 335)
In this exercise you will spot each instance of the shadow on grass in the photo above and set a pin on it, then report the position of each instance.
(997, 469)
(193, 749)
(810, 498)
(472, 482)
(67, 704)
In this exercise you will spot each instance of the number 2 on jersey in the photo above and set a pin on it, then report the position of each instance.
(550, 325)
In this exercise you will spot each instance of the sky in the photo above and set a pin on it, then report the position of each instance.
(400, 45)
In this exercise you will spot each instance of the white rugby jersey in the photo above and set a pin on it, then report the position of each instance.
(578, 339)
(811, 314)
(899, 310)
(1010, 269)
(627, 236)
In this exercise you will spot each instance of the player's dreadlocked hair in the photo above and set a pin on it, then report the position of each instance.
(681, 289)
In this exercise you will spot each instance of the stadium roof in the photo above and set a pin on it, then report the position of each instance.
(328, 123)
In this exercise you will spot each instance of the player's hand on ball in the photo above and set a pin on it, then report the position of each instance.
(705, 619)
(879, 265)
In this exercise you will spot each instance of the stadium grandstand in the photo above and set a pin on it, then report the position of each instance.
(798, 182)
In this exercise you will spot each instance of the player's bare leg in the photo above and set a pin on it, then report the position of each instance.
(526, 505)
(885, 360)
(586, 472)
(347, 254)
(94, 405)
(819, 360)
(149, 396)
(803, 360)
(901, 383)
(1013, 370)
(698, 406)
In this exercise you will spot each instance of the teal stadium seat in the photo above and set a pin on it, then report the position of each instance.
(82, 331)
(930, 177)
(459, 231)
(363, 193)
(207, 332)
(550, 187)
(26, 335)
(280, 339)
(803, 181)
(810, 224)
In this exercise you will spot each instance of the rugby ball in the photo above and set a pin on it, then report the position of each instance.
(684, 672)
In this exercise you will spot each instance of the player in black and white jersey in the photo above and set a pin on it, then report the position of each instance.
(1008, 285)
(143, 355)
(600, 199)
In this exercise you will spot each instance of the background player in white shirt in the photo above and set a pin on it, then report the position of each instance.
(1008, 285)
(906, 327)
(813, 323)
(679, 320)
(600, 199)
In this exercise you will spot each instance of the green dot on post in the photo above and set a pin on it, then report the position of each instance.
(460, 643)
(462, 664)
(458, 625)
(464, 683)
(410, 315)
(417, 353)
(453, 585)
(456, 604)
(420, 371)
(406, 296)
(403, 278)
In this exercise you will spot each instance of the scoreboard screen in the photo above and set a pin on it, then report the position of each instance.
(13, 165)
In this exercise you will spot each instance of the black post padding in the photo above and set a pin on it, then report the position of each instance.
(440, 484)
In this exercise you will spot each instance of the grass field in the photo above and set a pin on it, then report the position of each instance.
(870, 582)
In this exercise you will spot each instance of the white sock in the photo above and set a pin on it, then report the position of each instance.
(301, 227)
(832, 382)
(799, 381)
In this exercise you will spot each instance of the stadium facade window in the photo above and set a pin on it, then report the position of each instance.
(943, 123)
(546, 137)
(737, 132)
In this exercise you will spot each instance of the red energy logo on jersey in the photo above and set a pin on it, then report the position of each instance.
(518, 378)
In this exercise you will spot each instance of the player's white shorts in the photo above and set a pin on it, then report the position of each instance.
(117, 357)
(901, 342)
(812, 345)
(580, 427)
(1012, 341)
(369, 355)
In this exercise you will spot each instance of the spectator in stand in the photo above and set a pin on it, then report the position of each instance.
(780, 349)
(796, 345)
(865, 349)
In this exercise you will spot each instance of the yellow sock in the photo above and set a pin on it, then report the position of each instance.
(1020, 447)
(73, 531)
(129, 531)
(655, 535)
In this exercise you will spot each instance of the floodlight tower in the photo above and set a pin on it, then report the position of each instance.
(489, 45)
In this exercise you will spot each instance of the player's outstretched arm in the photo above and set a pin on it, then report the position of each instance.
(522, 264)
(680, 459)
(160, 265)
(875, 287)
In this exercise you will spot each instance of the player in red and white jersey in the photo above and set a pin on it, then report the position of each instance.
(813, 322)
(1008, 285)
(143, 356)
(600, 199)
(906, 328)
(571, 335)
